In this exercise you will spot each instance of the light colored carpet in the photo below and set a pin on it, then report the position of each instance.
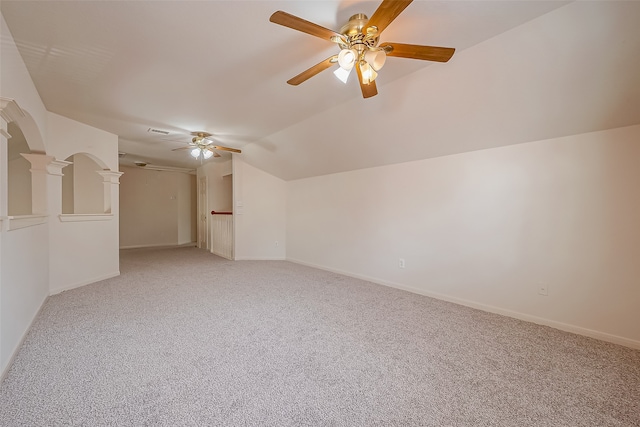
(184, 338)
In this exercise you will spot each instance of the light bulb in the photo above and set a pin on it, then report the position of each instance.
(342, 74)
(195, 152)
(207, 154)
(368, 73)
(347, 58)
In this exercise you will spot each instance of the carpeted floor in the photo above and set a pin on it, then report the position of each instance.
(184, 338)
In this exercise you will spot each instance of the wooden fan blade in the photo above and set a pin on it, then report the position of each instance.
(182, 148)
(287, 20)
(221, 148)
(414, 51)
(386, 13)
(211, 148)
(368, 90)
(307, 74)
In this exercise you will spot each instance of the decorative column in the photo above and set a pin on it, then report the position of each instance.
(39, 178)
(54, 181)
(111, 180)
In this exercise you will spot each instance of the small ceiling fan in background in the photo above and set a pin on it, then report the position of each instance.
(201, 146)
(358, 41)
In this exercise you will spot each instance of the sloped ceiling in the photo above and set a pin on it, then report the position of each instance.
(523, 71)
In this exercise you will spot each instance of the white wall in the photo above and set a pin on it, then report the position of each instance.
(88, 189)
(226, 191)
(187, 198)
(85, 249)
(260, 215)
(24, 285)
(488, 228)
(19, 175)
(17, 84)
(24, 265)
(19, 202)
(156, 208)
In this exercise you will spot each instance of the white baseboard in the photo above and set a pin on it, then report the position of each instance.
(159, 246)
(14, 352)
(248, 258)
(83, 283)
(603, 336)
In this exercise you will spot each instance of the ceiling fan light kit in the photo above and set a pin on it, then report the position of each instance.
(342, 74)
(358, 41)
(375, 58)
(367, 72)
(204, 152)
(347, 58)
(201, 146)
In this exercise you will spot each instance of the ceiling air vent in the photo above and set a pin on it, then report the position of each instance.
(158, 131)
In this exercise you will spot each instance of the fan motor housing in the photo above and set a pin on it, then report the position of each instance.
(358, 40)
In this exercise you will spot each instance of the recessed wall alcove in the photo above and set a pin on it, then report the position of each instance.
(24, 201)
(82, 185)
(18, 173)
(86, 189)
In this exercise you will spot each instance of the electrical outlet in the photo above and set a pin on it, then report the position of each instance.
(543, 289)
(401, 263)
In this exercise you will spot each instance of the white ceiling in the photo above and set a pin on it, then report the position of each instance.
(523, 71)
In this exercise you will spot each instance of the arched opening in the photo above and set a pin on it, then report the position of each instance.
(83, 186)
(19, 173)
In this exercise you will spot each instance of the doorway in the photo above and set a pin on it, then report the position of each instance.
(203, 214)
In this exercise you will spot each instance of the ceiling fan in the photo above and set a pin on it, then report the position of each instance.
(203, 147)
(358, 40)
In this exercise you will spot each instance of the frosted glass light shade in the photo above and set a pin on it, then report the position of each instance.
(375, 58)
(347, 58)
(342, 74)
(195, 152)
(207, 154)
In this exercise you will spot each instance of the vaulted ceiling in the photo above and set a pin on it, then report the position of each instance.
(522, 71)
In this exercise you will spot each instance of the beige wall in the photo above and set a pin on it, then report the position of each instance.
(19, 189)
(23, 288)
(83, 249)
(156, 208)
(489, 228)
(88, 187)
(47, 256)
(18, 173)
(260, 215)
(187, 209)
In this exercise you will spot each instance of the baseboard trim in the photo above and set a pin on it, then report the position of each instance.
(261, 259)
(83, 283)
(603, 336)
(160, 246)
(14, 353)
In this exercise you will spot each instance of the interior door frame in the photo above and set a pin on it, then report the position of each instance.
(203, 213)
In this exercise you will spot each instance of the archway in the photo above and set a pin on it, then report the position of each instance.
(82, 185)
(19, 191)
